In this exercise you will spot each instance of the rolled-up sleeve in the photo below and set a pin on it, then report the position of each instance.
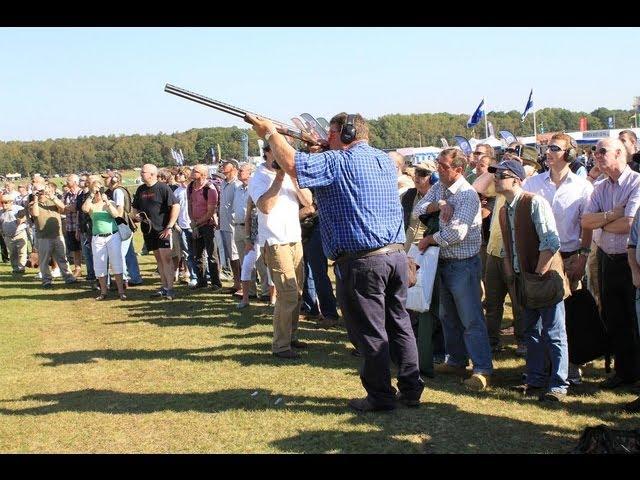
(421, 206)
(316, 169)
(464, 214)
(633, 203)
(545, 224)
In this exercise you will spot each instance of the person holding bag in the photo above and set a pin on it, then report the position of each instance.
(106, 244)
(532, 255)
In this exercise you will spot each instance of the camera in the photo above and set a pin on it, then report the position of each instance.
(32, 197)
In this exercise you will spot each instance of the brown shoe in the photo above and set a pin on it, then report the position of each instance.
(286, 354)
(298, 344)
(477, 382)
(326, 322)
(363, 405)
(446, 369)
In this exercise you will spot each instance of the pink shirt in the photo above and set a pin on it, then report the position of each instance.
(198, 205)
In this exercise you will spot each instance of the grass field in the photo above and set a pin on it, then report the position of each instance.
(196, 375)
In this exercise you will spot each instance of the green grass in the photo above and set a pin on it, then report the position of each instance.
(182, 376)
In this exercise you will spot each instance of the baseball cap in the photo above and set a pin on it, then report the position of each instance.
(427, 166)
(232, 161)
(512, 166)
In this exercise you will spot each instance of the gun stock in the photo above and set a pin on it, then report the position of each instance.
(282, 128)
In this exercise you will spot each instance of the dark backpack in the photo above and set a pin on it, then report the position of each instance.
(575, 165)
(126, 217)
(602, 439)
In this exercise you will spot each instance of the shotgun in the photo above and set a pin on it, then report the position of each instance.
(282, 128)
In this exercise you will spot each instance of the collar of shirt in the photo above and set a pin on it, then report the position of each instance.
(512, 205)
(623, 176)
(453, 189)
(569, 178)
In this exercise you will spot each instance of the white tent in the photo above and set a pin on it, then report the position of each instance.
(491, 140)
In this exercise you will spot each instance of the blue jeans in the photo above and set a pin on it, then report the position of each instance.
(317, 282)
(131, 267)
(463, 324)
(546, 337)
(85, 241)
(186, 246)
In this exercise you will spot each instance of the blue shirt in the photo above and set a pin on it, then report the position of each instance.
(357, 197)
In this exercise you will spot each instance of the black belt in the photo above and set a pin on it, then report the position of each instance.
(104, 234)
(239, 224)
(566, 255)
(393, 247)
(618, 257)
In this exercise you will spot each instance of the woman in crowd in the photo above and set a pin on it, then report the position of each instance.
(105, 243)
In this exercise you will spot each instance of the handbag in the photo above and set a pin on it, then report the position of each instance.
(124, 231)
(539, 291)
(419, 296)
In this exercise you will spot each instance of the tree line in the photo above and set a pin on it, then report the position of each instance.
(97, 153)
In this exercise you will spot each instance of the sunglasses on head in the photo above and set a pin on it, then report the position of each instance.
(555, 148)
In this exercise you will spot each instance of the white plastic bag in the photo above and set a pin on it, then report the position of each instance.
(415, 294)
(428, 267)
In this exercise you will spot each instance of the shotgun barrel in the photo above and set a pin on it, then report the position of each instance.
(282, 128)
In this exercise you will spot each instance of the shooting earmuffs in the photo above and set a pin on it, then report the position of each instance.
(348, 131)
(570, 154)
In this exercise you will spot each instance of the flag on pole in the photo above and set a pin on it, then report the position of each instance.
(528, 107)
(477, 115)
(174, 155)
(181, 158)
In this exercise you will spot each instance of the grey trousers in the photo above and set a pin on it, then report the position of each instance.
(49, 248)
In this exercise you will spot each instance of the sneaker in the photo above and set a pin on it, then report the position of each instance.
(55, 273)
(575, 375)
(477, 382)
(408, 401)
(159, 294)
(521, 350)
(242, 305)
(170, 294)
(193, 283)
(363, 405)
(446, 369)
(552, 397)
(38, 275)
(71, 280)
(286, 354)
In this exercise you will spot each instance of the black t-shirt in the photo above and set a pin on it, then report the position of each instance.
(156, 202)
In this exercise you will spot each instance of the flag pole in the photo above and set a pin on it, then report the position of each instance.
(535, 126)
(486, 112)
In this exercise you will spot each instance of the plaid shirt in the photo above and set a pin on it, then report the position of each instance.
(460, 237)
(71, 222)
(357, 197)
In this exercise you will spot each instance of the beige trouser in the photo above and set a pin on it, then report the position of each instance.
(287, 272)
(53, 248)
(17, 247)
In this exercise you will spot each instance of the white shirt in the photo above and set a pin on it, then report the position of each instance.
(183, 221)
(281, 225)
(568, 203)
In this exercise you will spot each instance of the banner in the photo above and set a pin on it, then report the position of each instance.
(463, 143)
(508, 136)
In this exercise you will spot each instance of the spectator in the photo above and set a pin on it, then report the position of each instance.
(184, 223)
(227, 192)
(14, 232)
(238, 215)
(106, 244)
(71, 234)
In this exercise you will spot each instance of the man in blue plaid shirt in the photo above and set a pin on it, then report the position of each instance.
(459, 269)
(362, 231)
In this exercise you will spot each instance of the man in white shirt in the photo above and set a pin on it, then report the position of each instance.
(278, 199)
(568, 194)
(239, 212)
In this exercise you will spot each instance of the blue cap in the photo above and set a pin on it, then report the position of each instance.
(514, 166)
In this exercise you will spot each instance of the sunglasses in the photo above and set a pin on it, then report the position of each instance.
(503, 176)
(601, 151)
(555, 148)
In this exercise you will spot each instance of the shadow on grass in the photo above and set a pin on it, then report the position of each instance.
(113, 402)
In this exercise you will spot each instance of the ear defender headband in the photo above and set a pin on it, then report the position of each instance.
(571, 153)
(348, 131)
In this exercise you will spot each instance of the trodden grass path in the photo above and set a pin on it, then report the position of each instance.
(196, 375)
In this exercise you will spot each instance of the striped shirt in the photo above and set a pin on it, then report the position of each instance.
(461, 236)
(71, 222)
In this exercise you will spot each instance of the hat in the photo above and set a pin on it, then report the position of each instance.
(427, 166)
(512, 166)
(107, 174)
(232, 161)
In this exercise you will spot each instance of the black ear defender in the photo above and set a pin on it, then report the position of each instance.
(571, 153)
(348, 131)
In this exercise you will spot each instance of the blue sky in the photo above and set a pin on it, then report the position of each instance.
(70, 82)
